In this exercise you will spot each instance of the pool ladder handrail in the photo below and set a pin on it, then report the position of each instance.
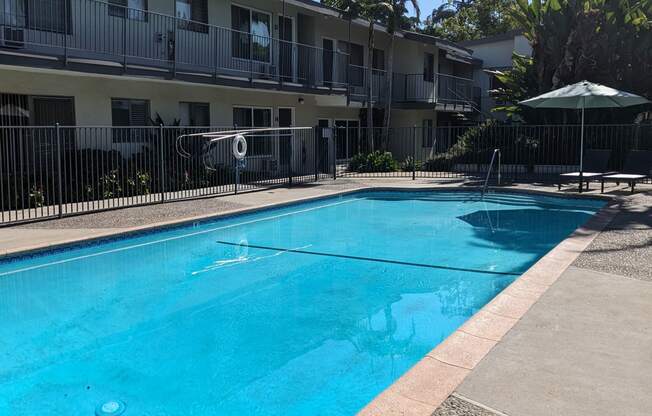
(491, 166)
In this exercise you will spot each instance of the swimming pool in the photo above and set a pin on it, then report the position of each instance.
(306, 309)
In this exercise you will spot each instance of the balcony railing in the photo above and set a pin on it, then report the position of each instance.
(95, 32)
(432, 88)
(410, 88)
(359, 84)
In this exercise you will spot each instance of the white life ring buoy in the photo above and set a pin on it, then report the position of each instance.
(239, 147)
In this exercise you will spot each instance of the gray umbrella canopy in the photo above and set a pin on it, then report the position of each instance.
(581, 96)
(585, 95)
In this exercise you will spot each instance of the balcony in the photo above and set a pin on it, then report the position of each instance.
(94, 36)
(441, 91)
(358, 84)
(446, 92)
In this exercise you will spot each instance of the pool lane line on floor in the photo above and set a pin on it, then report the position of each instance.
(371, 259)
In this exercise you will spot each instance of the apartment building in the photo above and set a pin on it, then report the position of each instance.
(496, 54)
(244, 63)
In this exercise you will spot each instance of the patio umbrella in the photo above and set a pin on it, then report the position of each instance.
(581, 96)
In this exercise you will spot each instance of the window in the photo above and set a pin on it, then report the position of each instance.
(24, 110)
(252, 36)
(14, 110)
(356, 60)
(494, 84)
(379, 59)
(127, 112)
(42, 15)
(192, 15)
(14, 13)
(132, 9)
(17, 110)
(195, 114)
(427, 134)
(248, 117)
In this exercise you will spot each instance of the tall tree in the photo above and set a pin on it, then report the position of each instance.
(397, 12)
(604, 41)
(372, 11)
(460, 20)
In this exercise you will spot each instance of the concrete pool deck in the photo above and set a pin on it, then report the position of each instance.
(585, 347)
(569, 336)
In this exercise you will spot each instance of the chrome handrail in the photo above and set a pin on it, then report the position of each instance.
(491, 165)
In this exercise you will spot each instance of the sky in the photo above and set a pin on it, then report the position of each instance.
(427, 6)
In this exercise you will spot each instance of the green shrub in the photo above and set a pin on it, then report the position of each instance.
(110, 185)
(409, 164)
(382, 162)
(37, 196)
(358, 163)
(140, 184)
(463, 146)
(373, 162)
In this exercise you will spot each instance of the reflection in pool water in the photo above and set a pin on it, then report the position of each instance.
(310, 309)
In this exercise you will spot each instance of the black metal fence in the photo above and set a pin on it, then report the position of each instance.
(529, 153)
(57, 171)
(49, 172)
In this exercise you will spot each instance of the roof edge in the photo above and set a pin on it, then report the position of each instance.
(495, 38)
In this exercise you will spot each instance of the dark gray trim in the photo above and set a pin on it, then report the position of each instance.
(491, 39)
(158, 73)
(420, 37)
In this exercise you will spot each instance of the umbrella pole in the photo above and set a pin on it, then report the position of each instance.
(582, 147)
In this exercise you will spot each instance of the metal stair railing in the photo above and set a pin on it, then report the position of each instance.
(491, 165)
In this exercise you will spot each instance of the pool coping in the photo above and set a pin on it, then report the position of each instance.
(423, 388)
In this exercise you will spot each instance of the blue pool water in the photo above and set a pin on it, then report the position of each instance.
(307, 309)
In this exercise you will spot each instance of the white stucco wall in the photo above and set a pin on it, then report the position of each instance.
(522, 46)
(92, 97)
(495, 54)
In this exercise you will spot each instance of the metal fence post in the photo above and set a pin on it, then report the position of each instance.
(414, 153)
(334, 150)
(290, 137)
(316, 133)
(59, 175)
(174, 56)
(124, 42)
(237, 176)
(217, 54)
(161, 154)
(65, 33)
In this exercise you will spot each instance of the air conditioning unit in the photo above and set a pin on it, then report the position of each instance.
(12, 37)
(267, 71)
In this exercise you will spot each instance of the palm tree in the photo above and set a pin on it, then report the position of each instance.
(397, 11)
(373, 11)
